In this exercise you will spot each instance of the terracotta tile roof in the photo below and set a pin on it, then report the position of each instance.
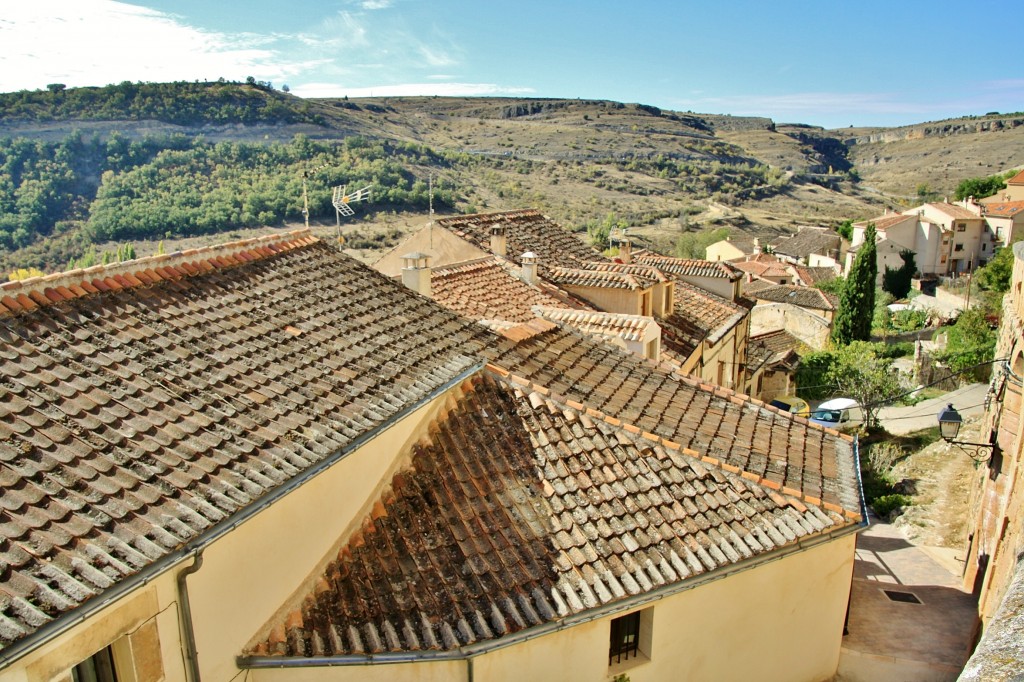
(525, 230)
(141, 405)
(772, 349)
(647, 274)
(807, 241)
(1005, 209)
(734, 429)
(811, 276)
(763, 269)
(954, 211)
(1017, 179)
(596, 323)
(689, 267)
(805, 297)
(886, 221)
(605, 279)
(573, 511)
(698, 315)
(490, 289)
(755, 285)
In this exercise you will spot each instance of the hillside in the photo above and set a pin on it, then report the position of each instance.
(82, 168)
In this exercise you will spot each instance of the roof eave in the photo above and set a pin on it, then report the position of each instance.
(480, 648)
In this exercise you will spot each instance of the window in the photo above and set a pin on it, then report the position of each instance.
(97, 668)
(135, 657)
(958, 247)
(960, 227)
(625, 638)
(984, 247)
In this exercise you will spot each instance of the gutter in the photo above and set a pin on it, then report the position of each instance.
(193, 548)
(191, 653)
(468, 651)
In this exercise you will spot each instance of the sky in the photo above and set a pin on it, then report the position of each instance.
(820, 62)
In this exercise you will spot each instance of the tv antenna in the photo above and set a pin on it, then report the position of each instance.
(342, 199)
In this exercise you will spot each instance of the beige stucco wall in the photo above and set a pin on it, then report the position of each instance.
(443, 247)
(723, 250)
(730, 352)
(811, 329)
(781, 621)
(627, 301)
(727, 289)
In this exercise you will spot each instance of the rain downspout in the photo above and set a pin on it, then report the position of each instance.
(191, 655)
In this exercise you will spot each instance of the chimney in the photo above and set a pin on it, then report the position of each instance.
(416, 272)
(757, 245)
(529, 273)
(625, 252)
(499, 240)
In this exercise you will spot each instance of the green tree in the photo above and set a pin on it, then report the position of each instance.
(970, 342)
(857, 302)
(845, 230)
(979, 188)
(995, 275)
(898, 281)
(860, 373)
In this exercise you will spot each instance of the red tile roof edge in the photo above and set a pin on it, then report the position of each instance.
(23, 295)
(793, 497)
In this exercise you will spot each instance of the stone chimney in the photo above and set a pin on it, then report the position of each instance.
(499, 240)
(416, 272)
(529, 272)
(625, 251)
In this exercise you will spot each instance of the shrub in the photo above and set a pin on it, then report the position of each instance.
(886, 504)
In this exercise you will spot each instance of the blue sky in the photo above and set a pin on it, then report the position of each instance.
(820, 62)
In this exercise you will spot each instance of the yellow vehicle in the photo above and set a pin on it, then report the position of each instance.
(792, 404)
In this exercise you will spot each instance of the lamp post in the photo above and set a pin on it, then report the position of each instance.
(950, 422)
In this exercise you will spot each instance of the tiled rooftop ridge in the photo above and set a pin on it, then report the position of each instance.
(516, 511)
(656, 398)
(795, 496)
(27, 294)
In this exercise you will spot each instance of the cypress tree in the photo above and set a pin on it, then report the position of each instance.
(857, 302)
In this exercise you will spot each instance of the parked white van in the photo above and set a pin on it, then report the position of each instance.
(836, 413)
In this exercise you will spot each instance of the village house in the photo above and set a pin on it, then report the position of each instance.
(812, 246)
(267, 461)
(946, 239)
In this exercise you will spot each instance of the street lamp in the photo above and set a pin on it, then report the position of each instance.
(950, 422)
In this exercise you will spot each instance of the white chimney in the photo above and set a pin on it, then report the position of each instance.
(416, 272)
(529, 272)
(499, 240)
(757, 245)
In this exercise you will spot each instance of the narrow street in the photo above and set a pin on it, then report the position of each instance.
(968, 400)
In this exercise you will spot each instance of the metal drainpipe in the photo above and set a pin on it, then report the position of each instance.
(191, 655)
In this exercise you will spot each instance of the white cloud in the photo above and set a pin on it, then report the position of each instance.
(375, 4)
(410, 90)
(96, 42)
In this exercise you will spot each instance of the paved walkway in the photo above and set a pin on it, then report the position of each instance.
(893, 640)
(968, 400)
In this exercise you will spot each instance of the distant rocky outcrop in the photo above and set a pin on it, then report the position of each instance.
(939, 129)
